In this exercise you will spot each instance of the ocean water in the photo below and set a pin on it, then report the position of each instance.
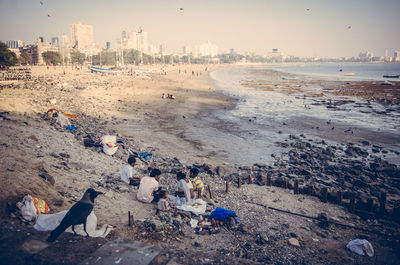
(331, 71)
(248, 133)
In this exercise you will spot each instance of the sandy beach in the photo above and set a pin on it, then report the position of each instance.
(132, 108)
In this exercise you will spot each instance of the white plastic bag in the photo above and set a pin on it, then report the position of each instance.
(27, 208)
(62, 120)
(48, 222)
(109, 143)
(361, 247)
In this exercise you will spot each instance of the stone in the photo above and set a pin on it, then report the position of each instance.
(294, 242)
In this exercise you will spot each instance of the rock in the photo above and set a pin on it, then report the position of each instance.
(47, 177)
(64, 155)
(197, 244)
(34, 138)
(221, 171)
(294, 242)
(58, 201)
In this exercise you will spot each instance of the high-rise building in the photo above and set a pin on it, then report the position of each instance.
(14, 44)
(108, 45)
(207, 49)
(141, 41)
(163, 49)
(128, 39)
(55, 41)
(186, 50)
(82, 36)
(396, 56)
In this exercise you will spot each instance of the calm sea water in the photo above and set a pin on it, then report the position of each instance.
(255, 124)
(331, 71)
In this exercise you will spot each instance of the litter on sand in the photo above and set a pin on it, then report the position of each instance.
(361, 247)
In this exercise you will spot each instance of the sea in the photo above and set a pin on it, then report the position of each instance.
(248, 133)
(335, 71)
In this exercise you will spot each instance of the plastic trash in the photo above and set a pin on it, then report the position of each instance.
(193, 223)
(30, 207)
(145, 156)
(71, 128)
(63, 121)
(361, 247)
(109, 144)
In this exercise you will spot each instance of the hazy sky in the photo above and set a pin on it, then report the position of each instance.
(246, 25)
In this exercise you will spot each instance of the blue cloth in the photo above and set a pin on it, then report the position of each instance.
(145, 156)
(71, 127)
(221, 214)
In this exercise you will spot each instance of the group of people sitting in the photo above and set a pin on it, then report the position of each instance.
(151, 192)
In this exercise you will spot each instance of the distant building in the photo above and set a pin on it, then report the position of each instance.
(14, 44)
(141, 41)
(108, 45)
(153, 49)
(82, 36)
(396, 56)
(366, 56)
(55, 41)
(276, 56)
(186, 50)
(206, 49)
(163, 49)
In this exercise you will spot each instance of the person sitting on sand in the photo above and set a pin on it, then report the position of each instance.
(198, 185)
(149, 190)
(163, 204)
(185, 188)
(126, 173)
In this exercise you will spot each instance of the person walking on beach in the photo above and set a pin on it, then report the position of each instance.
(149, 190)
(127, 173)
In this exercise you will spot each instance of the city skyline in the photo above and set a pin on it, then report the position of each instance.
(300, 28)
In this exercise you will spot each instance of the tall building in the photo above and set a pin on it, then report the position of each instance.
(82, 36)
(108, 45)
(163, 49)
(396, 56)
(134, 40)
(207, 49)
(186, 50)
(141, 41)
(55, 41)
(14, 44)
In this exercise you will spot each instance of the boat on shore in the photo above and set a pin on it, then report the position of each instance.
(289, 78)
(348, 74)
(391, 76)
(105, 71)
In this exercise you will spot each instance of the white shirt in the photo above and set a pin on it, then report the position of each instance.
(126, 173)
(185, 187)
(146, 188)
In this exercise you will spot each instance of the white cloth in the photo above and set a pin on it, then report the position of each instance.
(146, 188)
(163, 205)
(49, 222)
(126, 173)
(185, 187)
(197, 206)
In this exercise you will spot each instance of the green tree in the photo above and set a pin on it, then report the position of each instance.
(7, 57)
(25, 58)
(77, 57)
(52, 58)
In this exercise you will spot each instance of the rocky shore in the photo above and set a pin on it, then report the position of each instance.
(40, 157)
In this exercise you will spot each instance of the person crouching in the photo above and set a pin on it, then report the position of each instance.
(149, 190)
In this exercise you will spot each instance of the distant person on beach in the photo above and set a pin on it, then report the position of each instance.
(163, 96)
(197, 183)
(185, 187)
(163, 204)
(149, 190)
(127, 173)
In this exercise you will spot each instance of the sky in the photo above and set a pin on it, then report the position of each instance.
(304, 28)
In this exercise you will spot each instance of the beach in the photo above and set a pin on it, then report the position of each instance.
(197, 128)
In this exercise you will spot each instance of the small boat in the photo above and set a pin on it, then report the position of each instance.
(391, 76)
(105, 71)
(387, 83)
(289, 78)
(348, 74)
